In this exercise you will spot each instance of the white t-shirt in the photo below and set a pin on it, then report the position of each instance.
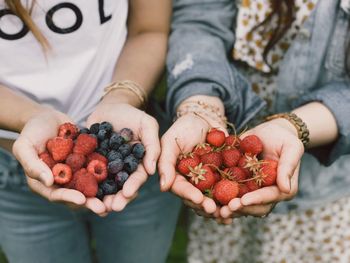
(86, 38)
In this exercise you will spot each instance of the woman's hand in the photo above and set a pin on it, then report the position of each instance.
(281, 143)
(145, 129)
(32, 141)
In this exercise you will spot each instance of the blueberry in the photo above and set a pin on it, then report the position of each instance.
(107, 127)
(121, 178)
(112, 155)
(102, 134)
(94, 128)
(84, 130)
(115, 166)
(101, 151)
(115, 141)
(104, 144)
(138, 150)
(127, 134)
(125, 149)
(109, 187)
(130, 164)
(100, 193)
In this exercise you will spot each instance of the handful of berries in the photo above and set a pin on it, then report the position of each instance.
(224, 168)
(95, 161)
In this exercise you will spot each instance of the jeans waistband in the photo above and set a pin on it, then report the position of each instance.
(11, 172)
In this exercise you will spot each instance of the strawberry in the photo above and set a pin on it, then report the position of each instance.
(252, 185)
(202, 148)
(202, 177)
(215, 137)
(75, 161)
(212, 158)
(86, 183)
(217, 176)
(250, 164)
(46, 158)
(96, 156)
(236, 173)
(62, 173)
(187, 161)
(60, 148)
(232, 140)
(225, 190)
(85, 144)
(243, 189)
(251, 144)
(98, 169)
(230, 156)
(68, 131)
(268, 172)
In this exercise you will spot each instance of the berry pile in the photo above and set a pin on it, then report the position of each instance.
(95, 161)
(227, 167)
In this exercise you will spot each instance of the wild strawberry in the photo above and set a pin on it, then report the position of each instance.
(62, 173)
(96, 156)
(75, 161)
(230, 156)
(251, 144)
(250, 164)
(98, 169)
(243, 189)
(215, 137)
(252, 185)
(225, 190)
(202, 177)
(236, 173)
(232, 140)
(60, 148)
(85, 144)
(202, 148)
(46, 158)
(212, 158)
(86, 183)
(68, 131)
(268, 172)
(187, 161)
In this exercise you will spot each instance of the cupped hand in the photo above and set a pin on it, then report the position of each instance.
(32, 141)
(281, 143)
(145, 129)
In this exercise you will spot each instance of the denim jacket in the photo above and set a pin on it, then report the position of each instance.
(313, 69)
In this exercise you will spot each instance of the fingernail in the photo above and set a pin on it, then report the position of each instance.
(44, 177)
(162, 182)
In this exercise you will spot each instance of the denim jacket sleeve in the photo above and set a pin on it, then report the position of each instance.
(198, 61)
(335, 96)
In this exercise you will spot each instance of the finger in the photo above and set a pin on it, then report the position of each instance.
(167, 162)
(291, 154)
(95, 205)
(192, 205)
(134, 182)
(120, 201)
(107, 200)
(235, 204)
(256, 210)
(203, 214)
(225, 212)
(26, 154)
(149, 136)
(186, 190)
(263, 196)
(208, 205)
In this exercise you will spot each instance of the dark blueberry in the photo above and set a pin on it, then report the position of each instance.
(115, 166)
(101, 151)
(102, 134)
(127, 134)
(100, 193)
(115, 141)
(138, 150)
(130, 163)
(94, 128)
(113, 155)
(93, 135)
(104, 144)
(106, 126)
(121, 178)
(84, 130)
(109, 187)
(125, 149)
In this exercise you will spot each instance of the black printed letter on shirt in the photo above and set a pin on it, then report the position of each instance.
(103, 18)
(15, 36)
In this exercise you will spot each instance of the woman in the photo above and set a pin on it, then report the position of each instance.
(292, 53)
(57, 59)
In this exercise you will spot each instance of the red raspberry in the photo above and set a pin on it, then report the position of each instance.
(85, 144)
(86, 183)
(46, 158)
(215, 137)
(212, 158)
(251, 144)
(187, 161)
(96, 156)
(71, 184)
(75, 161)
(225, 190)
(98, 169)
(62, 173)
(68, 131)
(232, 140)
(60, 148)
(230, 156)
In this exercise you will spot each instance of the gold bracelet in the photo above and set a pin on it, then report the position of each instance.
(131, 86)
(300, 126)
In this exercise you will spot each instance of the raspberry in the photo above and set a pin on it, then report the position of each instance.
(86, 183)
(68, 131)
(62, 173)
(75, 161)
(130, 164)
(138, 150)
(98, 169)
(71, 184)
(46, 158)
(85, 144)
(251, 144)
(96, 156)
(60, 148)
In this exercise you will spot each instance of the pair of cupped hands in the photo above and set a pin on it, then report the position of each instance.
(278, 136)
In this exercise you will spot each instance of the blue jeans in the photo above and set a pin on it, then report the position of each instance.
(34, 230)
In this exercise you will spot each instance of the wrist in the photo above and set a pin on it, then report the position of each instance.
(121, 96)
(31, 113)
